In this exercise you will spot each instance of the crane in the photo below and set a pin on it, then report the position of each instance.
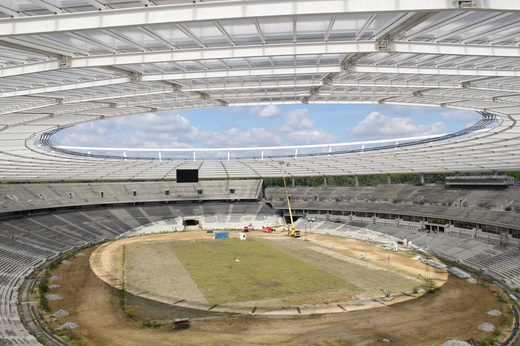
(293, 232)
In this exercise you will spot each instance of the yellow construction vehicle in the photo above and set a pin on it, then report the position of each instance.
(293, 232)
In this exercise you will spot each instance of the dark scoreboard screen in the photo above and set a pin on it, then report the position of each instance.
(187, 175)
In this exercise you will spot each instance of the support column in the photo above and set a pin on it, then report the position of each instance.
(325, 181)
(422, 178)
(357, 180)
(388, 179)
(292, 182)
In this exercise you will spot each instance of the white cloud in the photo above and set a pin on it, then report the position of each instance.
(465, 117)
(230, 110)
(378, 126)
(235, 137)
(88, 135)
(259, 127)
(297, 120)
(178, 145)
(454, 115)
(148, 130)
(299, 129)
(311, 136)
(408, 111)
(267, 111)
(154, 122)
(150, 145)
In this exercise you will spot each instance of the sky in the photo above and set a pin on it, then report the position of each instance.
(261, 126)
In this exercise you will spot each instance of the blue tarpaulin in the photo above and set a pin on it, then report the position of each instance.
(221, 235)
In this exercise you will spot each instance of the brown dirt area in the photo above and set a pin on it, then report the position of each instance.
(158, 275)
(453, 312)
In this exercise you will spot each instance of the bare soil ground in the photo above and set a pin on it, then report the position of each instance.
(153, 271)
(453, 312)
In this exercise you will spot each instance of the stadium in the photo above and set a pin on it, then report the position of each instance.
(68, 62)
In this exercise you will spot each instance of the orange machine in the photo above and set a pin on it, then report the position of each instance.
(267, 229)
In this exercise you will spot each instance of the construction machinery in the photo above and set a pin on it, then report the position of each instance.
(293, 232)
(267, 229)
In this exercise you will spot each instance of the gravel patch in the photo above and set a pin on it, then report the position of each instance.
(66, 262)
(456, 343)
(53, 297)
(54, 278)
(472, 281)
(359, 262)
(495, 313)
(386, 340)
(54, 286)
(344, 258)
(68, 325)
(60, 313)
(487, 327)
(81, 254)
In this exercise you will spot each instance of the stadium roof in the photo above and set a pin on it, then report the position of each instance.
(65, 62)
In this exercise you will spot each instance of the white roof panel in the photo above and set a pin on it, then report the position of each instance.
(64, 62)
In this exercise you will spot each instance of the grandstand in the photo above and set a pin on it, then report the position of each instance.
(42, 197)
(406, 202)
(28, 241)
(64, 63)
(32, 236)
(479, 235)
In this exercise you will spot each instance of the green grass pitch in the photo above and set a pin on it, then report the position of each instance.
(231, 270)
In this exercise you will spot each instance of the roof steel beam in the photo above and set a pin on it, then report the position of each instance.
(400, 21)
(209, 11)
(117, 95)
(437, 25)
(453, 49)
(420, 59)
(177, 77)
(239, 86)
(224, 33)
(487, 21)
(293, 70)
(224, 53)
(28, 68)
(365, 27)
(157, 37)
(329, 28)
(147, 3)
(9, 12)
(62, 87)
(122, 38)
(98, 5)
(259, 30)
(31, 47)
(21, 48)
(27, 107)
(487, 33)
(435, 71)
(47, 6)
(278, 50)
(188, 33)
(91, 41)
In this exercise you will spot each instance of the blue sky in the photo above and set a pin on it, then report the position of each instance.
(272, 125)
